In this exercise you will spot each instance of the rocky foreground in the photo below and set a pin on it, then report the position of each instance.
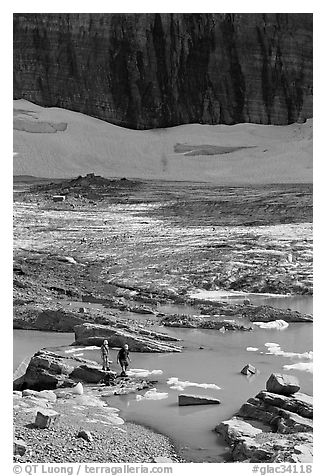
(81, 428)
(275, 426)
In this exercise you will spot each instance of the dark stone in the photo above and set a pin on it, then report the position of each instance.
(196, 400)
(248, 370)
(282, 384)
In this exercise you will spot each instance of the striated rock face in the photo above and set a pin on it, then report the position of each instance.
(158, 70)
(48, 370)
(287, 429)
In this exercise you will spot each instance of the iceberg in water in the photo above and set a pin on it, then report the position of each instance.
(152, 394)
(303, 366)
(275, 349)
(279, 324)
(252, 349)
(143, 372)
(177, 384)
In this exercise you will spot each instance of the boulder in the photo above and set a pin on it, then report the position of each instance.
(282, 384)
(234, 429)
(86, 435)
(249, 370)
(196, 400)
(145, 341)
(19, 447)
(48, 371)
(46, 418)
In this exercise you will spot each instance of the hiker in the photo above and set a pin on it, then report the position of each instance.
(123, 359)
(105, 355)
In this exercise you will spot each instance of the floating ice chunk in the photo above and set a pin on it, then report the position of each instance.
(304, 366)
(252, 349)
(177, 387)
(276, 350)
(152, 394)
(279, 324)
(177, 384)
(271, 344)
(143, 372)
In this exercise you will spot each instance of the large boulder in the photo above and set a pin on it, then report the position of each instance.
(144, 341)
(196, 400)
(282, 384)
(48, 370)
(46, 418)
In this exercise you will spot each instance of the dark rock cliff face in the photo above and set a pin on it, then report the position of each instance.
(158, 70)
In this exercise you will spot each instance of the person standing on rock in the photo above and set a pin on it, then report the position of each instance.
(123, 359)
(105, 355)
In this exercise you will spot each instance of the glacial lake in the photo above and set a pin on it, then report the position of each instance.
(219, 362)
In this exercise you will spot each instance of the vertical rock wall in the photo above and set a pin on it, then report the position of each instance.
(159, 70)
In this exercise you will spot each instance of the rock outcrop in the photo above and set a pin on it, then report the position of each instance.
(140, 70)
(287, 429)
(138, 339)
(250, 312)
(49, 370)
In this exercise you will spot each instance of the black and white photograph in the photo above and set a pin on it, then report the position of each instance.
(162, 239)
